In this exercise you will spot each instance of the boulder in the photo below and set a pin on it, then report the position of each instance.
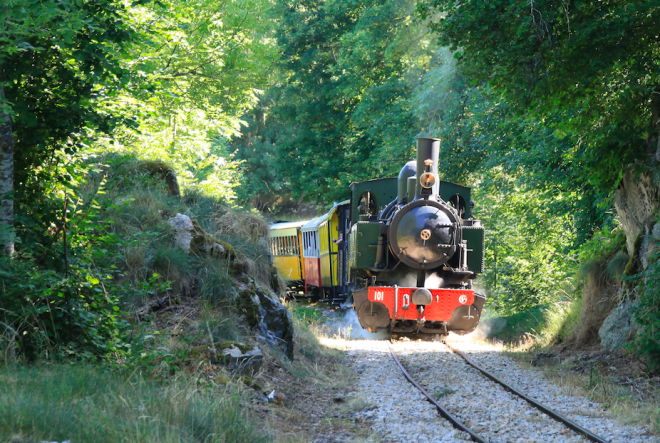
(618, 327)
(163, 171)
(264, 311)
(189, 236)
(636, 201)
(243, 359)
(183, 231)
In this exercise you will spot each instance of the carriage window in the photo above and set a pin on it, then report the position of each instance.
(367, 204)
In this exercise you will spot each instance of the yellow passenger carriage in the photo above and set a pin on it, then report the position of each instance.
(284, 240)
(324, 262)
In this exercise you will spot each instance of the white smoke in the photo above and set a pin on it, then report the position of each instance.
(348, 327)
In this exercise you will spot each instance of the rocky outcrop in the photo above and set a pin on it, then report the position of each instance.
(618, 327)
(636, 202)
(189, 236)
(259, 306)
(264, 312)
(164, 172)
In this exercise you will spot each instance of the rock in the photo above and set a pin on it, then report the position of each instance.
(204, 243)
(264, 311)
(647, 249)
(246, 361)
(277, 319)
(656, 231)
(545, 359)
(183, 231)
(636, 201)
(239, 357)
(618, 327)
(213, 248)
(164, 172)
(189, 236)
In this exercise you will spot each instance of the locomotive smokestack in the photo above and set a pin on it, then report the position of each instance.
(427, 149)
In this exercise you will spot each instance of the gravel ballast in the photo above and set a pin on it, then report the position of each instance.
(398, 412)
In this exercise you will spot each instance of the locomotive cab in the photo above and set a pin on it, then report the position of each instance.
(412, 265)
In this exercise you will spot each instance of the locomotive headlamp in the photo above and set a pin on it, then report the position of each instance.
(427, 180)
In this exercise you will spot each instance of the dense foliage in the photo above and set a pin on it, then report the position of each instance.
(167, 81)
(541, 107)
(588, 71)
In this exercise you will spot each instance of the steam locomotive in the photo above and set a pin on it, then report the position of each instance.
(407, 265)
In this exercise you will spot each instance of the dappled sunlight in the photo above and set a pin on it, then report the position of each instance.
(356, 345)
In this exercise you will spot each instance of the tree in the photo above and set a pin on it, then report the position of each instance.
(198, 67)
(341, 104)
(590, 67)
(58, 62)
(20, 21)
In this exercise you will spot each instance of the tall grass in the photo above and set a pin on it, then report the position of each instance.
(84, 404)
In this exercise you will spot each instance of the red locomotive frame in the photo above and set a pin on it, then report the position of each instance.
(442, 305)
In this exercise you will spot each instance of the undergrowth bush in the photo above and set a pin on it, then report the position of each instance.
(602, 260)
(61, 294)
(647, 313)
(68, 297)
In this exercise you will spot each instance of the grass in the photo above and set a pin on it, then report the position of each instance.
(308, 327)
(85, 404)
(539, 326)
(620, 400)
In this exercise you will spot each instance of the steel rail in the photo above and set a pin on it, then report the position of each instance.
(557, 416)
(446, 414)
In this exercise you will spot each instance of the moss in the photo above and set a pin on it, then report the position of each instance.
(248, 307)
(221, 379)
(201, 239)
(164, 172)
(633, 265)
(237, 268)
(228, 344)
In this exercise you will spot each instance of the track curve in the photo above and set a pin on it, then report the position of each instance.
(540, 406)
(457, 423)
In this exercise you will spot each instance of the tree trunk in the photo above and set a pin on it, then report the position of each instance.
(6, 175)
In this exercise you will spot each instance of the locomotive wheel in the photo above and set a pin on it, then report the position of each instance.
(373, 316)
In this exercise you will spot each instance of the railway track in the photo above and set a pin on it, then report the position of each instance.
(474, 435)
